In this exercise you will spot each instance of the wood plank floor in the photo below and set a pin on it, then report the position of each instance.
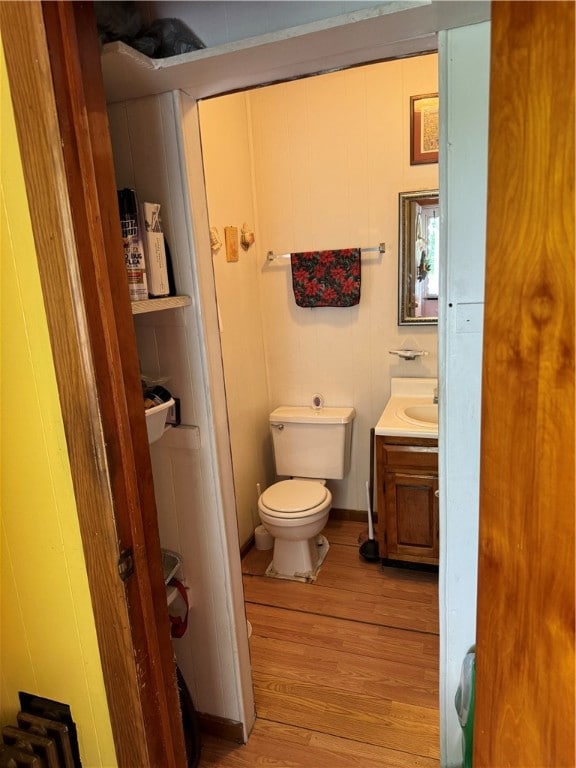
(345, 669)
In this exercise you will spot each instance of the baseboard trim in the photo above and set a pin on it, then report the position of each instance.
(247, 546)
(355, 515)
(409, 565)
(221, 728)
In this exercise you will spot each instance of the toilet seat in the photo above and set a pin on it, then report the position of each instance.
(294, 498)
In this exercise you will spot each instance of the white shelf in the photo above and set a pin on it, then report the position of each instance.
(388, 30)
(306, 49)
(157, 305)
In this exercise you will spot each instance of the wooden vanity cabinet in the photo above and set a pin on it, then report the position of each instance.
(407, 484)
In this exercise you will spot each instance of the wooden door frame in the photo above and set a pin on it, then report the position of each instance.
(52, 58)
(525, 697)
(96, 365)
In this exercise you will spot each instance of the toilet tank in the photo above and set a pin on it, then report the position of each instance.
(312, 442)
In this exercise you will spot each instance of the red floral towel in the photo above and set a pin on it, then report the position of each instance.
(326, 278)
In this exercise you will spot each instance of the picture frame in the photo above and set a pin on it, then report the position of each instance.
(424, 129)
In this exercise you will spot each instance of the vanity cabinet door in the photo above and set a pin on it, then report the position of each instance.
(407, 485)
(411, 517)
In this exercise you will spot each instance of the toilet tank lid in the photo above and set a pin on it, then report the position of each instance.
(307, 415)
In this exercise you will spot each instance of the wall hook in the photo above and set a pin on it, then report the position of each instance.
(215, 242)
(246, 237)
(408, 354)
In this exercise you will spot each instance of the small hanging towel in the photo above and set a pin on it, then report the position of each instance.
(326, 278)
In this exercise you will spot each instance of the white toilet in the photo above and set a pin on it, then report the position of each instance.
(311, 445)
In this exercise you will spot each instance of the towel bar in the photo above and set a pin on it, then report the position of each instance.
(381, 248)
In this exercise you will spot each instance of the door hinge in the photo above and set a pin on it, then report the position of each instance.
(126, 563)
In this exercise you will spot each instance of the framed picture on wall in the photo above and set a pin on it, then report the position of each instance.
(424, 129)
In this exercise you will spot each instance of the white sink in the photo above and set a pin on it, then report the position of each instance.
(411, 410)
(420, 414)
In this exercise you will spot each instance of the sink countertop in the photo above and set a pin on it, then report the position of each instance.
(405, 393)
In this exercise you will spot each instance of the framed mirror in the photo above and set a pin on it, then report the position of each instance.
(418, 251)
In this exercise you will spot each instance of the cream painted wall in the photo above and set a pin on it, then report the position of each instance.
(48, 637)
(227, 151)
(329, 156)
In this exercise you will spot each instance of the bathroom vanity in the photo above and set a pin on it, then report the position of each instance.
(406, 447)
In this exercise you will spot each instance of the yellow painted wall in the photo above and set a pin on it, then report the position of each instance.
(48, 642)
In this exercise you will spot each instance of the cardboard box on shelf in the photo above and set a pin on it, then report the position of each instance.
(154, 251)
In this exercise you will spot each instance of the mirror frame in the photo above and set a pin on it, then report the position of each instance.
(406, 262)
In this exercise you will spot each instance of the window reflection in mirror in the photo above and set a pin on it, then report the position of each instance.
(418, 258)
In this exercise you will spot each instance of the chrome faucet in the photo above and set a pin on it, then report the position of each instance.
(435, 397)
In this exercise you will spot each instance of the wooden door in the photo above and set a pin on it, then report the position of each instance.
(53, 63)
(525, 691)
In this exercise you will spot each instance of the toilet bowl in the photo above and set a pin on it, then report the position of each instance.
(294, 512)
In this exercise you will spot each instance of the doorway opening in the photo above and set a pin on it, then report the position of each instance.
(311, 164)
(316, 163)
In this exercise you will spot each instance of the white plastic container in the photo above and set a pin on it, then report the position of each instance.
(156, 420)
(262, 538)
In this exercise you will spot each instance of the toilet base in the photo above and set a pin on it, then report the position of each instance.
(298, 560)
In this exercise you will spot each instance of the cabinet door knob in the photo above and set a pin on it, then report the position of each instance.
(437, 494)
